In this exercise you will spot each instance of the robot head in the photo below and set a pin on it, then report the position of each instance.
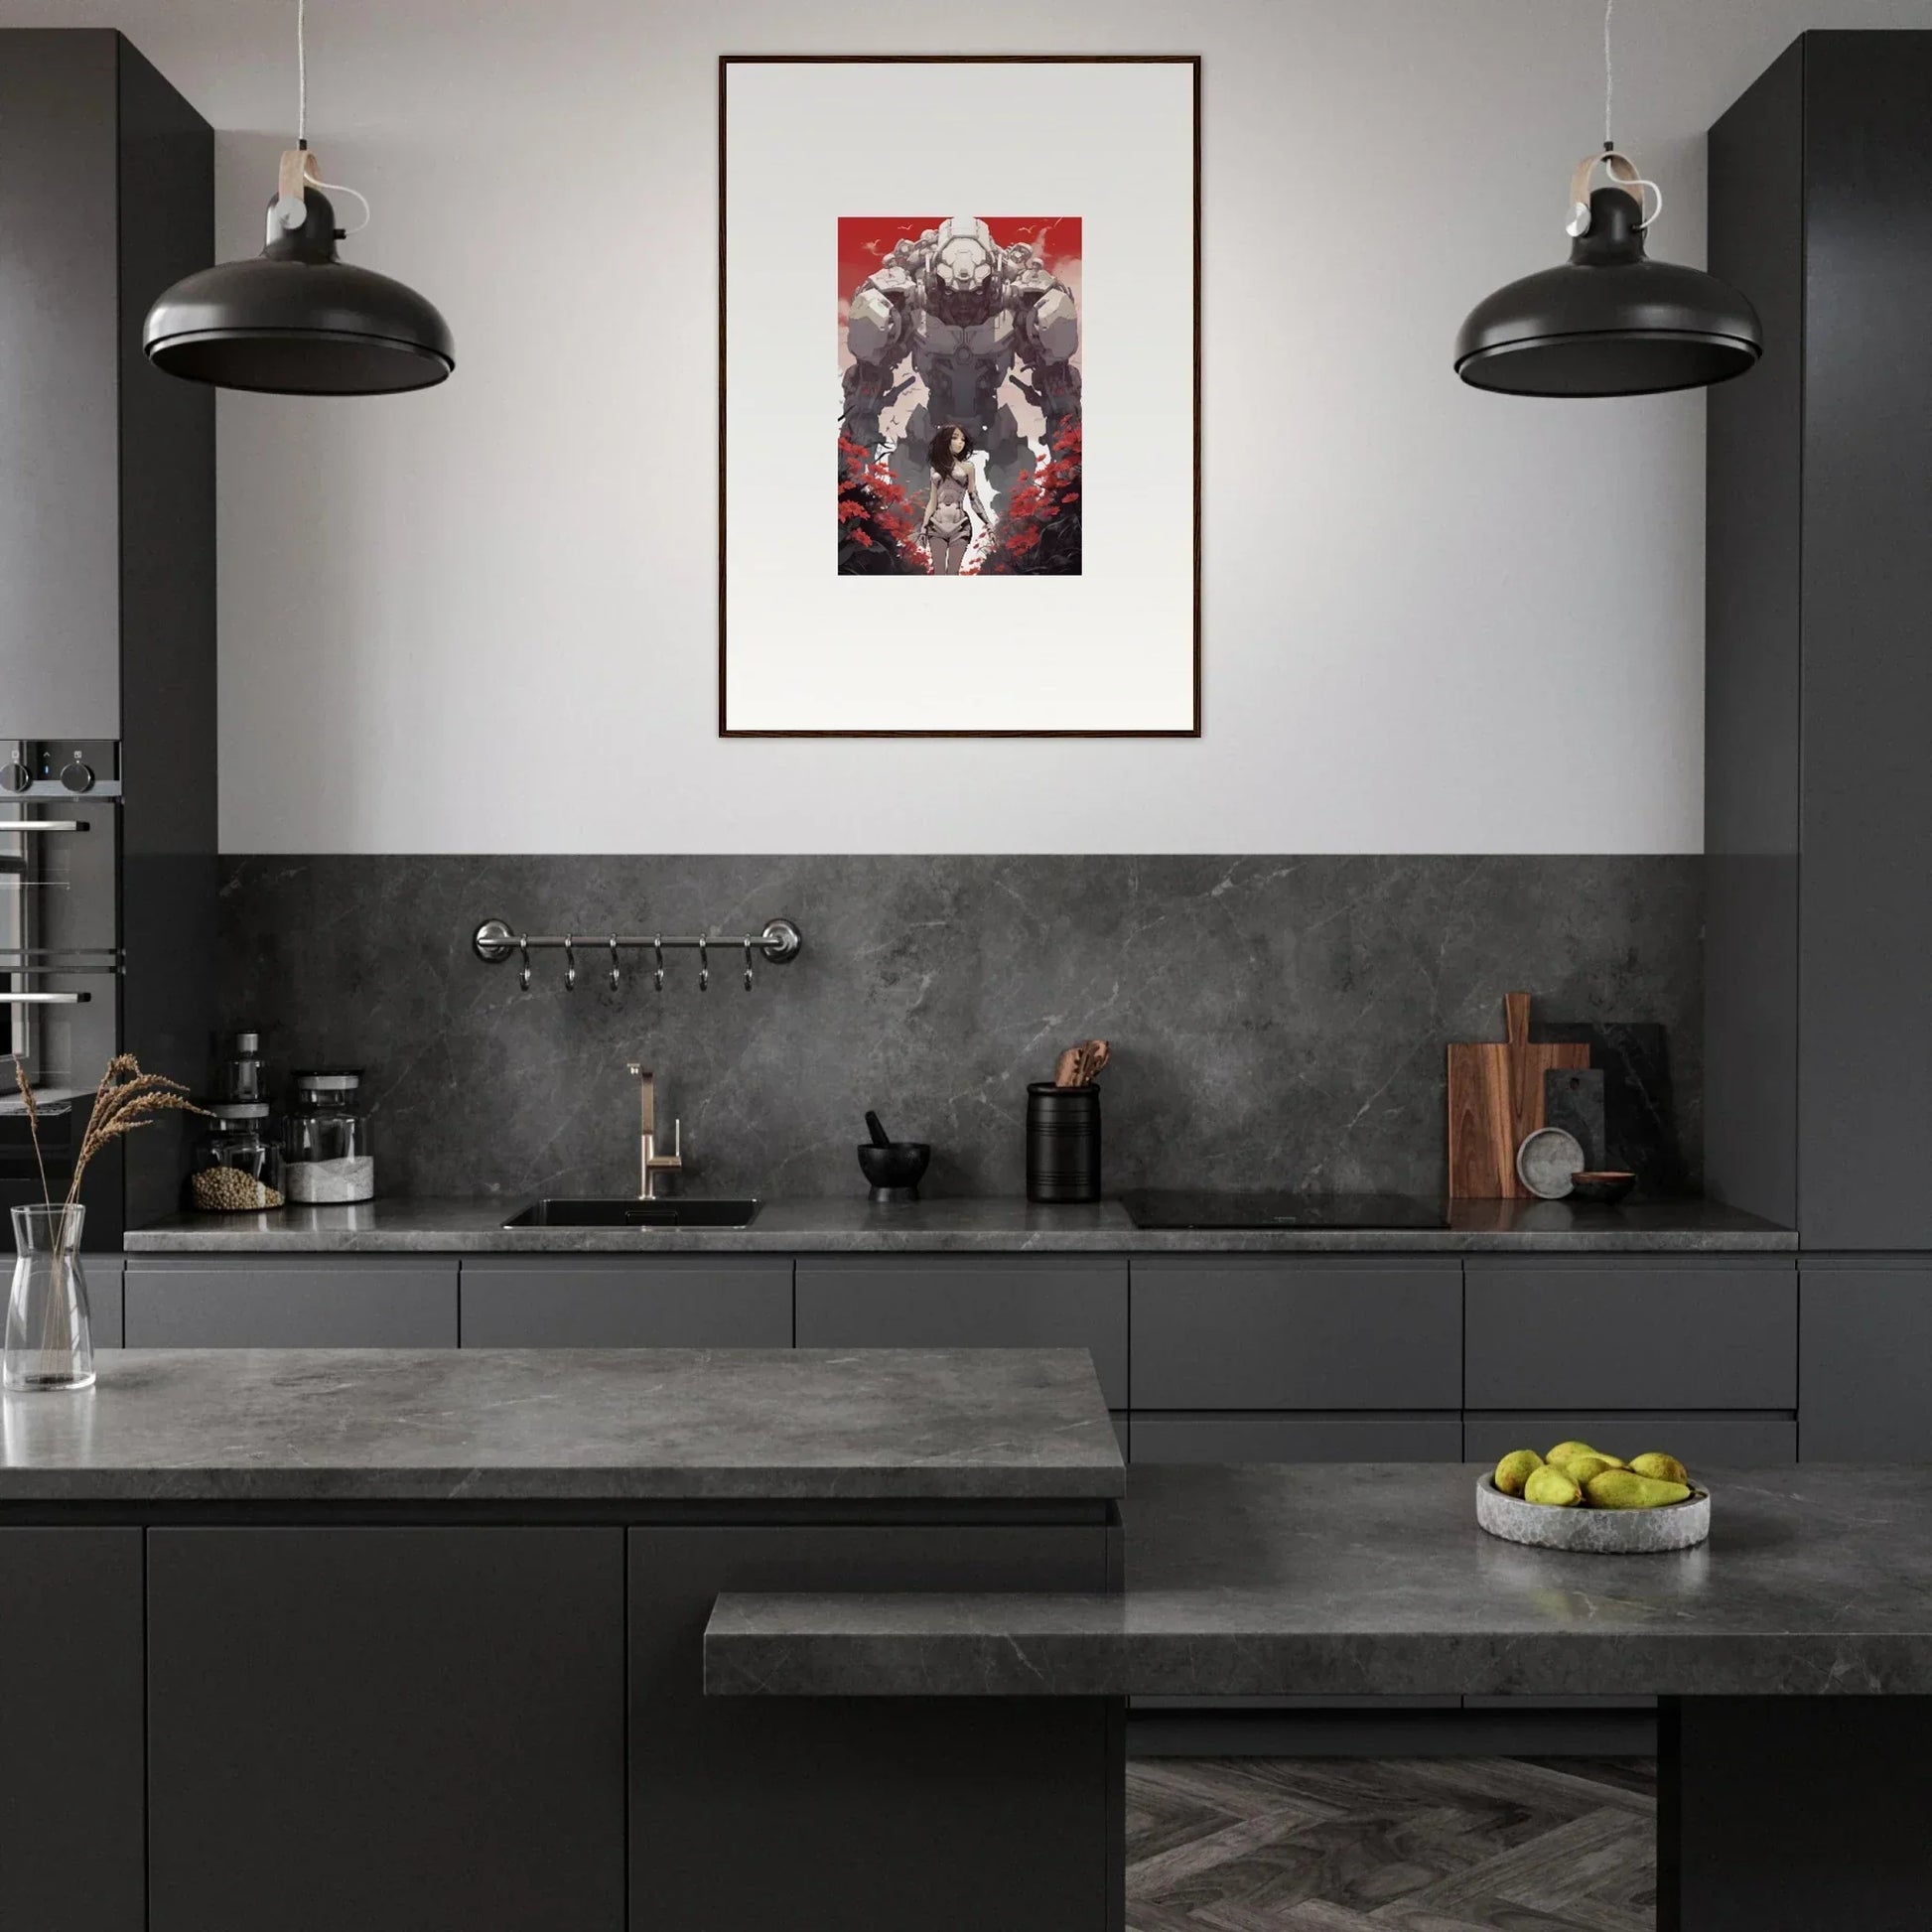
(965, 266)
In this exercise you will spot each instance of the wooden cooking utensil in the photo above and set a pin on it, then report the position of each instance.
(1495, 1100)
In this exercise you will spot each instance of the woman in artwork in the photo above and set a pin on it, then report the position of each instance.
(947, 528)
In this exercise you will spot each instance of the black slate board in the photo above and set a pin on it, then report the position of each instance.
(1639, 1119)
(1573, 1099)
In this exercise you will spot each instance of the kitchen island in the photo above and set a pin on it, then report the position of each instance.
(413, 1639)
(1793, 1651)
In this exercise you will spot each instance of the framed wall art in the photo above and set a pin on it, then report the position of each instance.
(959, 453)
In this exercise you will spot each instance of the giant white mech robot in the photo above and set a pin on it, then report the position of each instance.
(963, 311)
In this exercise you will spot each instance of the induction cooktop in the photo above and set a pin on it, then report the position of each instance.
(1158, 1208)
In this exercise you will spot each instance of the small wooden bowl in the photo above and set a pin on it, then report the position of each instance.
(1604, 1186)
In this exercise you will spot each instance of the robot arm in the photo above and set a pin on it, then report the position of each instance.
(877, 332)
(1049, 334)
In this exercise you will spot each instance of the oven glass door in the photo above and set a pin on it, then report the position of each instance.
(59, 963)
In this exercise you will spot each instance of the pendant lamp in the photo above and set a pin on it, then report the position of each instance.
(1609, 321)
(297, 320)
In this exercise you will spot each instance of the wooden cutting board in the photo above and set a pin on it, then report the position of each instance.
(1495, 1100)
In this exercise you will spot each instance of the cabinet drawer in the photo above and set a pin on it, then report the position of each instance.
(447, 1701)
(1736, 1442)
(267, 1302)
(1260, 1333)
(103, 1274)
(961, 1302)
(1867, 1341)
(1578, 1334)
(1297, 1438)
(612, 1301)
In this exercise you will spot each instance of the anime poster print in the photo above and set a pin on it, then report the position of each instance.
(959, 395)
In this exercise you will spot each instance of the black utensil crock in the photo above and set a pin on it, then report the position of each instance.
(1062, 1143)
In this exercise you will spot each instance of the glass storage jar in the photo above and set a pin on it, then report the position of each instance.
(237, 1162)
(239, 1076)
(328, 1156)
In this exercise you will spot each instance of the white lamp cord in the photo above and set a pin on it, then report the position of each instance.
(1610, 73)
(302, 128)
(1579, 223)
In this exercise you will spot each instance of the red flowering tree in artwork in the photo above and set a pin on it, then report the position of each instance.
(1040, 535)
(878, 523)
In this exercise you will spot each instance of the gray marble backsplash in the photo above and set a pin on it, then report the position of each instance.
(1276, 1021)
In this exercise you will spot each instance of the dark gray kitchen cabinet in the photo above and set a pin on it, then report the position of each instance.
(1866, 1348)
(425, 1724)
(965, 1302)
(1012, 1772)
(108, 522)
(103, 1274)
(1272, 1332)
(1740, 1440)
(107, 559)
(1228, 1438)
(71, 1687)
(1818, 816)
(1557, 1332)
(277, 1301)
(617, 1302)
(60, 522)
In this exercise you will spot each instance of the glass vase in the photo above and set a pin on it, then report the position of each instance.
(50, 1339)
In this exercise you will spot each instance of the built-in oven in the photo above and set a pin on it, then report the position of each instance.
(59, 950)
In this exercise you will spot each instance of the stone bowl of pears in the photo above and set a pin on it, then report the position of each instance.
(1581, 1498)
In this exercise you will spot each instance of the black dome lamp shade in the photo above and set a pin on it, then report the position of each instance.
(298, 320)
(1609, 321)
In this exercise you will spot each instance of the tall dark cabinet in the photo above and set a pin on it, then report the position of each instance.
(1819, 716)
(107, 661)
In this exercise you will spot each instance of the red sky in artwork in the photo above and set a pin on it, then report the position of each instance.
(864, 238)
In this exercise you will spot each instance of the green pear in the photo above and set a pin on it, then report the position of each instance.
(1666, 1469)
(1515, 1469)
(1579, 1468)
(1625, 1489)
(1549, 1485)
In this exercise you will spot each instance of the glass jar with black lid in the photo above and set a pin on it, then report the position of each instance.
(329, 1152)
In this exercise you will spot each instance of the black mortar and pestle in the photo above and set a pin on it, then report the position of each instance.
(892, 1167)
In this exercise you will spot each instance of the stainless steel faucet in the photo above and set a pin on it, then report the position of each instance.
(650, 1162)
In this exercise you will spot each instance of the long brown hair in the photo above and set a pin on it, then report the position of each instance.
(942, 454)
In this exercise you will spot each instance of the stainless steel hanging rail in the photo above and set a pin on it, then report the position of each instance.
(779, 943)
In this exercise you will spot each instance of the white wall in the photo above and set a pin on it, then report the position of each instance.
(483, 619)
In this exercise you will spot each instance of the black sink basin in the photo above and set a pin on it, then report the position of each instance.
(636, 1215)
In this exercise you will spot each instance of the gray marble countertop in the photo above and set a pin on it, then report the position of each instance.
(476, 1426)
(1373, 1578)
(946, 1226)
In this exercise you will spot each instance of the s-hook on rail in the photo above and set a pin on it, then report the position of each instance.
(495, 941)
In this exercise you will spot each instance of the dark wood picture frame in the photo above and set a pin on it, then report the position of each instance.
(728, 61)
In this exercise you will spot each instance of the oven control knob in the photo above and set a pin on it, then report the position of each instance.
(77, 776)
(15, 776)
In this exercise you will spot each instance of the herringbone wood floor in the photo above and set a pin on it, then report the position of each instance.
(1391, 1844)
